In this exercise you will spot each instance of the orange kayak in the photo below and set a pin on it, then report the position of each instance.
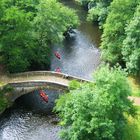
(43, 95)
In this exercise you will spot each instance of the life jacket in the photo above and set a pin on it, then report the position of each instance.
(57, 55)
(43, 95)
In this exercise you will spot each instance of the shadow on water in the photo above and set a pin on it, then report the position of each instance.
(33, 101)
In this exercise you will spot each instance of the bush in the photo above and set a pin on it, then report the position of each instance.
(98, 11)
(28, 28)
(121, 12)
(132, 129)
(131, 45)
(4, 103)
(96, 110)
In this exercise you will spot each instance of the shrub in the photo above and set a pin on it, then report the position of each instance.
(96, 110)
(131, 44)
(120, 14)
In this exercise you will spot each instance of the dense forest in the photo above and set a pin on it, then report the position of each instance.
(27, 30)
(119, 21)
(98, 110)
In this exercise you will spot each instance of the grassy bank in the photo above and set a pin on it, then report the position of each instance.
(135, 85)
(132, 130)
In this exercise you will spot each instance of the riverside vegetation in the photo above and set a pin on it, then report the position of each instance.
(90, 111)
(27, 30)
(101, 111)
(28, 27)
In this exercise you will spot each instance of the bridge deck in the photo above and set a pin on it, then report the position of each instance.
(7, 80)
(49, 76)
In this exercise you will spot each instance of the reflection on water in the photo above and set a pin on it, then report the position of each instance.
(79, 57)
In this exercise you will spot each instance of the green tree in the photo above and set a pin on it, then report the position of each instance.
(131, 45)
(121, 12)
(16, 38)
(27, 29)
(52, 20)
(4, 101)
(98, 11)
(96, 110)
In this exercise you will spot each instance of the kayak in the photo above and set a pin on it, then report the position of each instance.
(43, 96)
(57, 55)
(58, 70)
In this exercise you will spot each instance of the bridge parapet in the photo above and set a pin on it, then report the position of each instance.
(47, 73)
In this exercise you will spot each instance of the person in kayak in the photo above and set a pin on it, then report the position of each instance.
(58, 70)
(43, 96)
(57, 55)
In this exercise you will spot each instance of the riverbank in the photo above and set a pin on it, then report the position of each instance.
(4, 100)
(135, 85)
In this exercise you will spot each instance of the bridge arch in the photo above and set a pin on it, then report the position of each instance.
(27, 82)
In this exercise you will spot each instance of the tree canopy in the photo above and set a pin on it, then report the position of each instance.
(121, 12)
(98, 11)
(131, 44)
(27, 29)
(96, 110)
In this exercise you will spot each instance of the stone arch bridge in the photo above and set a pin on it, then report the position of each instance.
(26, 82)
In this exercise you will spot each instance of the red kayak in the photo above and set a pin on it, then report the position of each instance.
(43, 96)
(57, 55)
(58, 70)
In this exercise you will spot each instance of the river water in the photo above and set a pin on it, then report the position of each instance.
(27, 119)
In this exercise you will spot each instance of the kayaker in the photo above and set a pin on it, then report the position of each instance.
(57, 55)
(43, 96)
(58, 70)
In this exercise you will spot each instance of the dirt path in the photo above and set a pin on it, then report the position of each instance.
(136, 100)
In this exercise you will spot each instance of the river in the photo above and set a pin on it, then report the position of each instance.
(27, 119)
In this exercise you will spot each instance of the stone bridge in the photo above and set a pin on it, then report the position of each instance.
(26, 82)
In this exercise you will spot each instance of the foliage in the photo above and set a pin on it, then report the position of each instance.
(4, 103)
(132, 129)
(131, 44)
(74, 85)
(27, 29)
(135, 86)
(121, 12)
(16, 38)
(83, 2)
(53, 19)
(98, 11)
(96, 110)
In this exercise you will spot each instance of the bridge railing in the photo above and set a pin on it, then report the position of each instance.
(48, 73)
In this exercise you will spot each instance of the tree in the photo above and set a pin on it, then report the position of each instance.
(4, 101)
(16, 38)
(96, 110)
(121, 12)
(131, 44)
(28, 28)
(52, 20)
(98, 11)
